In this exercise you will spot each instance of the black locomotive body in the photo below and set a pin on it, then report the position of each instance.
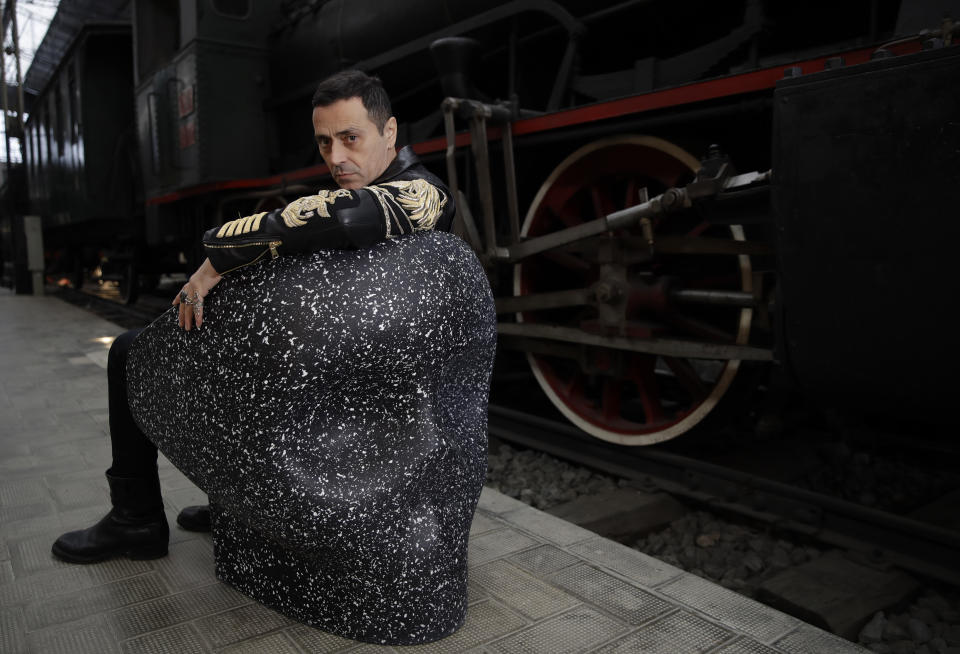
(637, 272)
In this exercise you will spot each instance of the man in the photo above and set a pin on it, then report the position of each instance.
(382, 194)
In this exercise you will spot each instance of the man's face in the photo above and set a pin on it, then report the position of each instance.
(351, 145)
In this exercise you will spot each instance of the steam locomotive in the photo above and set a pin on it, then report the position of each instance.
(666, 195)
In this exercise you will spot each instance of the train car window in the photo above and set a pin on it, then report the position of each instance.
(48, 129)
(72, 102)
(233, 8)
(58, 122)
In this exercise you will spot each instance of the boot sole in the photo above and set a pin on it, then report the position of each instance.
(145, 554)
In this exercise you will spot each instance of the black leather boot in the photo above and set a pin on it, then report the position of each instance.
(195, 518)
(136, 526)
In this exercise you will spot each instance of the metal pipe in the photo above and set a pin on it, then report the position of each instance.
(536, 301)
(513, 209)
(448, 106)
(563, 74)
(622, 219)
(719, 298)
(658, 346)
(481, 154)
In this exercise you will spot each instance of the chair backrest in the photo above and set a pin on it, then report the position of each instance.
(323, 386)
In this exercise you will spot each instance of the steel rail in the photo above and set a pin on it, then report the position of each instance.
(925, 549)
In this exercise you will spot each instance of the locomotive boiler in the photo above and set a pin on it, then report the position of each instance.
(667, 197)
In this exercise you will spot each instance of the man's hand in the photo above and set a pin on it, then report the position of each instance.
(190, 297)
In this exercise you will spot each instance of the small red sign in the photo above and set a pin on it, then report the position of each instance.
(188, 134)
(186, 101)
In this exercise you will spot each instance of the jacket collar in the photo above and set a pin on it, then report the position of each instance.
(405, 159)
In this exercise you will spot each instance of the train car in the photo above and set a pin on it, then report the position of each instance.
(81, 165)
(595, 150)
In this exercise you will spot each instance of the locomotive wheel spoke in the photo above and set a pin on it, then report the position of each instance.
(610, 404)
(632, 399)
(647, 389)
(698, 230)
(688, 377)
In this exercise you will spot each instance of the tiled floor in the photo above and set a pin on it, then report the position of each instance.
(537, 584)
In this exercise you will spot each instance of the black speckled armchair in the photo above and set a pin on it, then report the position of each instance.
(333, 407)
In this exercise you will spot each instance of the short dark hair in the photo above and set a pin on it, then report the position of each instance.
(356, 84)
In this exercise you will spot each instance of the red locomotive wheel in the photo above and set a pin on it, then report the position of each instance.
(624, 396)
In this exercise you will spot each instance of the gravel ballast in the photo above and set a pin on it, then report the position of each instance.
(735, 555)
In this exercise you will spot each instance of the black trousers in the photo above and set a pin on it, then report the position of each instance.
(133, 453)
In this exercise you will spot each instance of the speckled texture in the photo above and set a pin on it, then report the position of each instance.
(333, 407)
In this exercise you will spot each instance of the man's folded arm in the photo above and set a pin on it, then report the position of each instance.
(339, 219)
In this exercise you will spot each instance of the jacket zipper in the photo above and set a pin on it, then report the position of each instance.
(272, 245)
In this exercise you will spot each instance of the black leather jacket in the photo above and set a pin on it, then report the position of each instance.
(404, 199)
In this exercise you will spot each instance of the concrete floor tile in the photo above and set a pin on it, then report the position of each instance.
(32, 555)
(275, 643)
(374, 649)
(545, 526)
(84, 638)
(181, 639)
(577, 630)
(494, 502)
(543, 560)
(678, 632)
(93, 601)
(12, 631)
(34, 468)
(239, 624)
(170, 610)
(744, 645)
(77, 495)
(10, 514)
(310, 639)
(496, 544)
(482, 523)
(611, 594)
(188, 565)
(23, 492)
(486, 621)
(23, 590)
(621, 559)
(46, 524)
(810, 640)
(475, 592)
(734, 610)
(521, 591)
(10, 448)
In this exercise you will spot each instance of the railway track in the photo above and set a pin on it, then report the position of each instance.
(104, 301)
(920, 547)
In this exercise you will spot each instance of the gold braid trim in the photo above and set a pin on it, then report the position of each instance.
(300, 211)
(419, 201)
(422, 201)
(241, 225)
